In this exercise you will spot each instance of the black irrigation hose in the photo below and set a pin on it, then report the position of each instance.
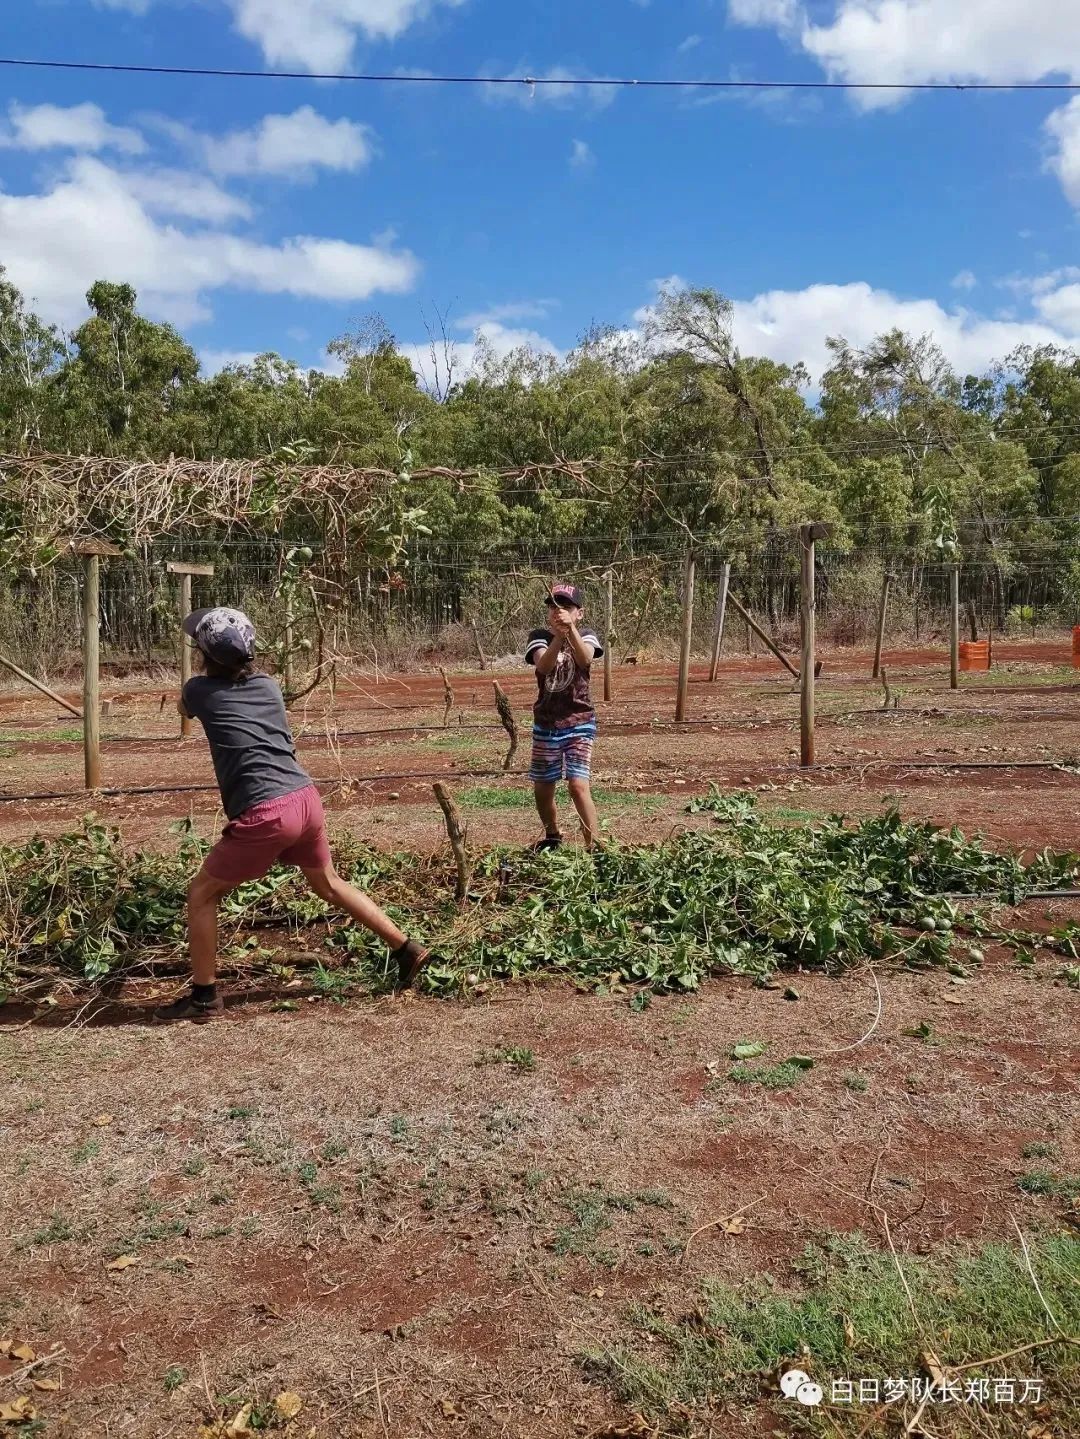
(213, 789)
(890, 763)
(443, 774)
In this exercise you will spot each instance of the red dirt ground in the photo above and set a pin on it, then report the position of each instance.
(381, 744)
(342, 1203)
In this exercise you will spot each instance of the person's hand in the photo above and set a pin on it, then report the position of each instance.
(561, 622)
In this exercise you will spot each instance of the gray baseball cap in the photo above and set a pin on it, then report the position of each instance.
(225, 636)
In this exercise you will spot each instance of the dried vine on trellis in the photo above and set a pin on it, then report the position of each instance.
(47, 500)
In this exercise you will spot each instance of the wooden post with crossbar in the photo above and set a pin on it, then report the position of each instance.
(185, 571)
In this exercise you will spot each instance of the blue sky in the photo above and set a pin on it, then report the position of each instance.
(258, 214)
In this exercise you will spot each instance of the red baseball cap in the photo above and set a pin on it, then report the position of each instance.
(566, 595)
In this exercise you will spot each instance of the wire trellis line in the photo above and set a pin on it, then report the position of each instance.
(534, 82)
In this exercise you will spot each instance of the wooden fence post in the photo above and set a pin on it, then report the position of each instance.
(954, 627)
(609, 639)
(91, 553)
(92, 670)
(883, 611)
(185, 571)
(721, 617)
(687, 637)
(808, 536)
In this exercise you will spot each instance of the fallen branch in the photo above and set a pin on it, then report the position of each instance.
(457, 831)
(509, 723)
(724, 1219)
(765, 639)
(45, 690)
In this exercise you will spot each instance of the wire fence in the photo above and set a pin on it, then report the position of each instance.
(441, 602)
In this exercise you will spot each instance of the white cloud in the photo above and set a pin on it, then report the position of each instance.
(74, 127)
(179, 192)
(1063, 127)
(290, 145)
(790, 325)
(503, 340)
(321, 34)
(94, 224)
(1041, 284)
(581, 155)
(793, 325)
(214, 361)
(690, 43)
(781, 13)
(514, 310)
(916, 41)
(965, 280)
(1061, 308)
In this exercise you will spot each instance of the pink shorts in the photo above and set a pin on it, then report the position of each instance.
(289, 830)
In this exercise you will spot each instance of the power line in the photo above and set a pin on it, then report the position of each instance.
(534, 82)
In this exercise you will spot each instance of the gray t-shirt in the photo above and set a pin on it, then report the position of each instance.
(250, 741)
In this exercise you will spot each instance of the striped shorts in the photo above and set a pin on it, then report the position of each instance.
(562, 753)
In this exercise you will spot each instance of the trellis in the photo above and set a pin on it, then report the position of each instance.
(55, 506)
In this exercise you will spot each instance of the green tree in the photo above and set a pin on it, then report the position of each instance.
(30, 355)
(129, 377)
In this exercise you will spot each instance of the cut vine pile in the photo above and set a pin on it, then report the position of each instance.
(746, 897)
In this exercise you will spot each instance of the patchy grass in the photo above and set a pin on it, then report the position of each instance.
(458, 741)
(515, 797)
(521, 1059)
(1042, 1183)
(59, 734)
(850, 1316)
(770, 1076)
(1039, 1149)
(593, 1212)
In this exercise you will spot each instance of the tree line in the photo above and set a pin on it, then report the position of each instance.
(906, 459)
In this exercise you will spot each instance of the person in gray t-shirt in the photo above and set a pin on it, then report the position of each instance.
(274, 810)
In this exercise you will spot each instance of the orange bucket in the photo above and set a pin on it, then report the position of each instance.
(976, 656)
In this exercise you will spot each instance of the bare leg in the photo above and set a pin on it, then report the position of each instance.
(581, 794)
(329, 885)
(546, 807)
(202, 909)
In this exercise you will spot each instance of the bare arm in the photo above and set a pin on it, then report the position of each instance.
(582, 649)
(181, 711)
(547, 661)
